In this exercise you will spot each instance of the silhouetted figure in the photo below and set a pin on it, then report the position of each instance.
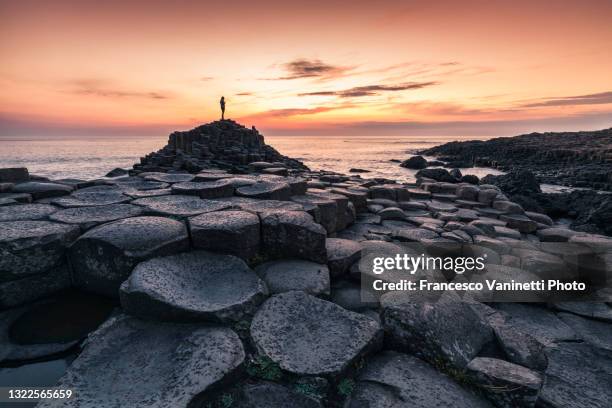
(254, 129)
(222, 103)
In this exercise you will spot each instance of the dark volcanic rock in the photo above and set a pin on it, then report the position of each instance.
(415, 162)
(326, 340)
(210, 189)
(222, 144)
(42, 190)
(341, 254)
(194, 286)
(30, 247)
(268, 190)
(160, 364)
(179, 205)
(232, 232)
(26, 212)
(104, 257)
(33, 287)
(518, 182)
(14, 175)
(578, 376)
(293, 234)
(295, 274)
(392, 379)
(117, 172)
(90, 198)
(507, 384)
(437, 174)
(89, 217)
(446, 330)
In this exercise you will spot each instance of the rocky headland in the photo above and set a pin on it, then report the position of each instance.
(219, 273)
(582, 160)
(577, 159)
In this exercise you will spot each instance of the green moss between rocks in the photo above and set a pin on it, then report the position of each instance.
(263, 367)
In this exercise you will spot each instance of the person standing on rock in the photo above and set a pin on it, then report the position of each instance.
(222, 103)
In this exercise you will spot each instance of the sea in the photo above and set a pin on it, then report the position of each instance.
(92, 157)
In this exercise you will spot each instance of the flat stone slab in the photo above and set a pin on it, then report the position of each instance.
(593, 310)
(179, 205)
(598, 334)
(40, 190)
(505, 383)
(104, 257)
(540, 323)
(259, 206)
(89, 217)
(293, 234)
(170, 177)
(295, 274)
(578, 376)
(30, 247)
(341, 254)
(160, 364)
(232, 231)
(413, 234)
(392, 379)
(92, 198)
(555, 234)
(26, 212)
(444, 330)
(269, 190)
(309, 336)
(194, 286)
(210, 189)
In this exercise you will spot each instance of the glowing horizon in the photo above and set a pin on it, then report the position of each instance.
(408, 67)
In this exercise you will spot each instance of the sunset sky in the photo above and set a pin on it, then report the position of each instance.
(315, 67)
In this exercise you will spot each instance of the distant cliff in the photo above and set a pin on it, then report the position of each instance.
(581, 159)
(223, 144)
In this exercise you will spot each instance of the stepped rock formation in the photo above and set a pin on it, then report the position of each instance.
(222, 144)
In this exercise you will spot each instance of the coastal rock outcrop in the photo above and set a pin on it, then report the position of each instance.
(223, 144)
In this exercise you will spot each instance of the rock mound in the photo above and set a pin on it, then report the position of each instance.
(222, 144)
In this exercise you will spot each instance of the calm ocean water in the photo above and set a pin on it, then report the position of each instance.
(74, 157)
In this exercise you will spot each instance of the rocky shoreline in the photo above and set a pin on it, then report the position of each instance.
(227, 275)
(577, 159)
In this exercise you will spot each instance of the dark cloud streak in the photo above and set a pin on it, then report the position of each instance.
(371, 90)
(591, 99)
(305, 68)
